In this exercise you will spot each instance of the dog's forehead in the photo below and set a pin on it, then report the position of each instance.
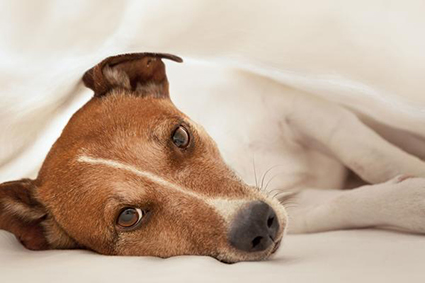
(130, 110)
(127, 129)
(123, 113)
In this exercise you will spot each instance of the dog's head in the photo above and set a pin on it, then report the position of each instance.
(132, 175)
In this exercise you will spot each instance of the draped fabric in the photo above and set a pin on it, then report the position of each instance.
(365, 54)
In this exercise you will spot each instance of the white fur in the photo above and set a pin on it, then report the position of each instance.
(396, 204)
(226, 207)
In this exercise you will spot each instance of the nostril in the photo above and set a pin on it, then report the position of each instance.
(254, 228)
(256, 241)
(270, 221)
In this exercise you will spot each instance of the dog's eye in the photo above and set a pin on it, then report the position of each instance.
(181, 137)
(130, 217)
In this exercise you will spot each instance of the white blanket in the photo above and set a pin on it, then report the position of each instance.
(342, 256)
(367, 54)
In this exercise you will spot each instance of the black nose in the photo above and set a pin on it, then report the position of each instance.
(254, 228)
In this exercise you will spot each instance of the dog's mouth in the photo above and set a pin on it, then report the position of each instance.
(276, 246)
(274, 250)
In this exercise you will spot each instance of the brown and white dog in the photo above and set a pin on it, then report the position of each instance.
(132, 175)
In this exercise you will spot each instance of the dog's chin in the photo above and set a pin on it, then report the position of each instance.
(258, 256)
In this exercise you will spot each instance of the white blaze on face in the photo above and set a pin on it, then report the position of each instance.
(224, 207)
(227, 208)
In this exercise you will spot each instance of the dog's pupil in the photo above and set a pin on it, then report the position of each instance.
(181, 137)
(128, 217)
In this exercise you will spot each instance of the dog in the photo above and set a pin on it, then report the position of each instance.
(132, 175)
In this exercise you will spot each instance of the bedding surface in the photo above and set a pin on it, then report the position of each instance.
(366, 54)
(341, 256)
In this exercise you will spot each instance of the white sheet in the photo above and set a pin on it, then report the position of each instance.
(342, 256)
(368, 54)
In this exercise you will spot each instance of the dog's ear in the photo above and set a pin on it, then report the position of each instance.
(142, 73)
(22, 215)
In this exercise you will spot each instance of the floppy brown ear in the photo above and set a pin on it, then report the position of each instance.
(22, 215)
(143, 73)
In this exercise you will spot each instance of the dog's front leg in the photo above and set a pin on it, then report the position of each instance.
(398, 203)
(336, 131)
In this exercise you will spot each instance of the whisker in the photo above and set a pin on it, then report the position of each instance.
(255, 172)
(274, 190)
(289, 199)
(284, 202)
(280, 193)
(290, 205)
(265, 173)
(271, 179)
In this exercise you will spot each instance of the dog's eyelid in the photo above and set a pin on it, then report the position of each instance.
(165, 126)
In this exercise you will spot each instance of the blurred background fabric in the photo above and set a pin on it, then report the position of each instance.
(368, 55)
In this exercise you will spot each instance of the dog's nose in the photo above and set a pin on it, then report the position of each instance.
(254, 228)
